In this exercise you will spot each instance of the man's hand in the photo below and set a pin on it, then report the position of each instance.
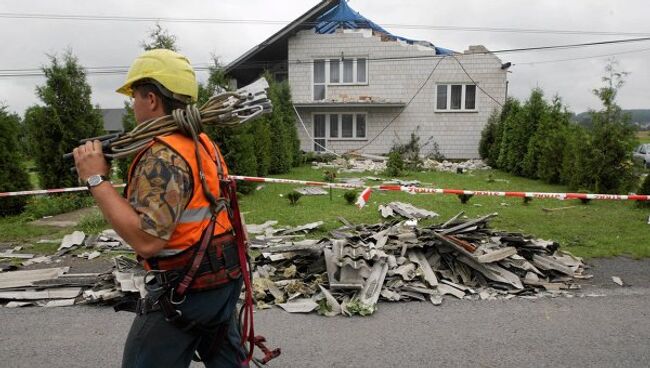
(89, 160)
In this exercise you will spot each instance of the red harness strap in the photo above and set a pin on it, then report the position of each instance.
(184, 285)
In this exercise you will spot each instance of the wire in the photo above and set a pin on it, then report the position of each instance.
(473, 81)
(402, 110)
(584, 57)
(283, 22)
(309, 135)
(258, 64)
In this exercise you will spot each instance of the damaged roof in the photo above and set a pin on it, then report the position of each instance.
(342, 16)
(327, 16)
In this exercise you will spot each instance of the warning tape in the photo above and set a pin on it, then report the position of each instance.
(50, 191)
(399, 188)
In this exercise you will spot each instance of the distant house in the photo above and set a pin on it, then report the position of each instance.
(358, 87)
(112, 119)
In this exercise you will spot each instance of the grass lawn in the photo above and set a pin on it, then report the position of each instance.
(644, 136)
(599, 229)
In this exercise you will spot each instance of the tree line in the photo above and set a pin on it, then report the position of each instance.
(537, 139)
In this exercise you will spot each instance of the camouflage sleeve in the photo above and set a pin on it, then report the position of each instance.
(161, 188)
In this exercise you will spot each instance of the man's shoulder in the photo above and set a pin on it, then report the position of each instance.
(163, 154)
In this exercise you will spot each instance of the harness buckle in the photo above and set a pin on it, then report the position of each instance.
(171, 298)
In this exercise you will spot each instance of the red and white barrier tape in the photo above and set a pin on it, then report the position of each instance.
(399, 188)
(49, 191)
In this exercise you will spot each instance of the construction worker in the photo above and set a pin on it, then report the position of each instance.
(169, 212)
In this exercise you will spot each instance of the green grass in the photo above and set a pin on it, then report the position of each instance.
(599, 229)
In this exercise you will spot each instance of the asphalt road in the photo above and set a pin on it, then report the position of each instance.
(611, 328)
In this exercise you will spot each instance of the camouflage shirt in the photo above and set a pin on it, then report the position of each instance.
(161, 188)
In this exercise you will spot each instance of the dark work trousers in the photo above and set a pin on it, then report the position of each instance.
(154, 342)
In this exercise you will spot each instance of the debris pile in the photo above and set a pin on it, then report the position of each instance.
(357, 266)
(56, 287)
(455, 167)
(377, 164)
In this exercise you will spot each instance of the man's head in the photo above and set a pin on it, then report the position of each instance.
(160, 81)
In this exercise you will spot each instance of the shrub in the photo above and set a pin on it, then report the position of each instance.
(394, 165)
(329, 176)
(93, 223)
(293, 198)
(350, 196)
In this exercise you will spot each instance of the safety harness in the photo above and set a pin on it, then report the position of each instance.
(213, 261)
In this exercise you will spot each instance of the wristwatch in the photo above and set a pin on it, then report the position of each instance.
(95, 180)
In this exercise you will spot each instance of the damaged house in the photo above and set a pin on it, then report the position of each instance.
(357, 87)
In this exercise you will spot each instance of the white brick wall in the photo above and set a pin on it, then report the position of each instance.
(457, 133)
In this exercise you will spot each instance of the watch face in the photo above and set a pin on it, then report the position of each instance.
(94, 180)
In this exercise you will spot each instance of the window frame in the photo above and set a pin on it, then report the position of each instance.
(340, 114)
(462, 97)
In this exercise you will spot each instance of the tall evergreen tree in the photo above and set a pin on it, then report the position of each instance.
(508, 149)
(549, 142)
(489, 137)
(613, 138)
(66, 117)
(12, 176)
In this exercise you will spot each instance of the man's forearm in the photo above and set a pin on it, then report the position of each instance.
(125, 221)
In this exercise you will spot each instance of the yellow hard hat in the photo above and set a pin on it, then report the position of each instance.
(171, 69)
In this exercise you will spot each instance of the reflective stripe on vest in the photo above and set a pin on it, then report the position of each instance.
(197, 214)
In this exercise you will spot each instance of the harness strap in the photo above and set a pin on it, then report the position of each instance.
(184, 284)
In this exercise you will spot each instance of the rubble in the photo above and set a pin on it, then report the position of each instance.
(347, 273)
(455, 167)
(357, 266)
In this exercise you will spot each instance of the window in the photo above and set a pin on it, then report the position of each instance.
(334, 126)
(456, 97)
(335, 68)
(319, 80)
(347, 121)
(337, 72)
(319, 132)
(348, 71)
(340, 126)
(361, 70)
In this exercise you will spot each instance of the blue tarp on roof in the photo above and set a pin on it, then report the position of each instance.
(342, 16)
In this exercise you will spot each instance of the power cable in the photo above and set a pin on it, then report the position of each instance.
(473, 81)
(259, 64)
(118, 18)
(584, 57)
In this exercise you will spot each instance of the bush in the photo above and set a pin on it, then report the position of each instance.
(309, 157)
(410, 151)
(13, 176)
(395, 164)
(293, 198)
(350, 196)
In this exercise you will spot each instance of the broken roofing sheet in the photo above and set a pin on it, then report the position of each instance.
(400, 261)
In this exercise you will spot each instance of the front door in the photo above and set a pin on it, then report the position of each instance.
(319, 133)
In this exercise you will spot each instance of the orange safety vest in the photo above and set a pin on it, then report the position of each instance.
(196, 216)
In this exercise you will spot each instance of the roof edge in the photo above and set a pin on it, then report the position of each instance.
(281, 33)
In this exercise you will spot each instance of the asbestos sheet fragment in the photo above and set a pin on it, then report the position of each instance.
(617, 280)
(57, 303)
(416, 256)
(16, 279)
(311, 191)
(16, 304)
(71, 240)
(372, 289)
(260, 229)
(445, 289)
(54, 293)
(10, 254)
(406, 210)
(497, 255)
(548, 263)
(303, 228)
(493, 272)
(303, 305)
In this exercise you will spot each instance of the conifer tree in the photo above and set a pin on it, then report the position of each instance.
(12, 176)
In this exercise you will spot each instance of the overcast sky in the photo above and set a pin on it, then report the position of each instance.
(26, 42)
